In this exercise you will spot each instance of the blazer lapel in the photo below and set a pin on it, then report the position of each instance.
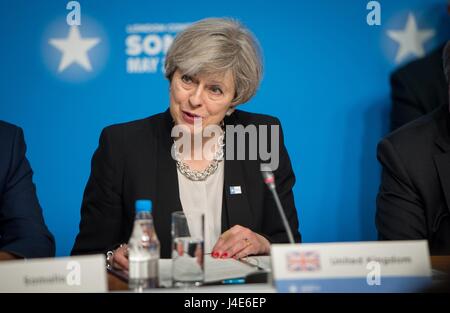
(236, 200)
(236, 207)
(442, 160)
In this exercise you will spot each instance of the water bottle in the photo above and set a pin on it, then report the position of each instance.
(143, 253)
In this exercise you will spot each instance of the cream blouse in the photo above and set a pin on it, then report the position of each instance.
(205, 197)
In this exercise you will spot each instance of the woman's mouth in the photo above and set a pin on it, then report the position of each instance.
(191, 117)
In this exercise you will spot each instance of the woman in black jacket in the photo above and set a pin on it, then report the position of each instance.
(212, 66)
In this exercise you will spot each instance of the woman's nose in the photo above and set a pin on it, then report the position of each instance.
(195, 98)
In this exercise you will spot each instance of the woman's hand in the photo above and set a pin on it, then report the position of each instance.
(239, 242)
(119, 258)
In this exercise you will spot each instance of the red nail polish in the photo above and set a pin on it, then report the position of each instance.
(225, 255)
(215, 254)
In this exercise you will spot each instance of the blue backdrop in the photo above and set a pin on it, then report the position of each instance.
(326, 78)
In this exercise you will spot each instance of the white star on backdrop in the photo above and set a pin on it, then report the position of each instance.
(411, 39)
(74, 49)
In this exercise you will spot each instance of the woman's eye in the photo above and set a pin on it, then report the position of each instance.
(186, 79)
(216, 90)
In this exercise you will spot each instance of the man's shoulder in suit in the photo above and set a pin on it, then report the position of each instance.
(7, 132)
(7, 127)
(419, 136)
(10, 137)
(424, 66)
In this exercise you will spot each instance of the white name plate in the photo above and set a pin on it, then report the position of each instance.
(67, 274)
(383, 266)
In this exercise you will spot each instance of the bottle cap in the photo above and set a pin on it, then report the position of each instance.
(144, 205)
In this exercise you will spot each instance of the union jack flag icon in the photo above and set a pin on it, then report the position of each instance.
(300, 261)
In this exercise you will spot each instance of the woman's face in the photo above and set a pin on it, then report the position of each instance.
(203, 97)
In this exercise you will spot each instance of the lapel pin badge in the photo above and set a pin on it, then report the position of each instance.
(235, 190)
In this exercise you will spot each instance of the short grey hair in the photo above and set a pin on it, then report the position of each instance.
(214, 46)
(446, 60)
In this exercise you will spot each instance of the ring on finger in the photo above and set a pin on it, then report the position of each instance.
(124, 246)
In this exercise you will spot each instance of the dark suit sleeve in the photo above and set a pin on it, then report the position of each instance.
(22, 228)
(101, 209)
(273, 228)
(406, 106)
(400, 213)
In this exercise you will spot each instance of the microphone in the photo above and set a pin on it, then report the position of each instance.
(269, 180)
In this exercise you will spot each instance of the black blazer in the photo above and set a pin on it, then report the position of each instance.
(22, 228)
(133, 161)
(418, 88)
(414, 197)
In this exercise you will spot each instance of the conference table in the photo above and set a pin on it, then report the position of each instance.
(438, 263)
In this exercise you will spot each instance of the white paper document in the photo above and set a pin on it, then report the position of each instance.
(221, 269)
(216, 270)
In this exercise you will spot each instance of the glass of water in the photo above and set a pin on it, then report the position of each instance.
(188, 249)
